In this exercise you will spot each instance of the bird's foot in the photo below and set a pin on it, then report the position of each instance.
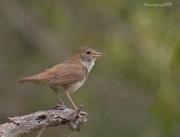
(63, 105)
(79, 110)
(60, 106)
(82, 113)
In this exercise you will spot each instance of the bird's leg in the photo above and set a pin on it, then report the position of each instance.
(55, 89)
(72, 102)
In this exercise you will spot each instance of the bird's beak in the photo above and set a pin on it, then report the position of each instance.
(98, 54)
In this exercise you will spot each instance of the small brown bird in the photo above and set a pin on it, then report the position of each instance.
(70, 75)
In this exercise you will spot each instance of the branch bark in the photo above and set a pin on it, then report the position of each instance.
(58, 115)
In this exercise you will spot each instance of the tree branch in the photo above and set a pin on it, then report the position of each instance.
(58, 115)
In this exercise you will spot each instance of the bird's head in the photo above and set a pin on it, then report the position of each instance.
(88, 54)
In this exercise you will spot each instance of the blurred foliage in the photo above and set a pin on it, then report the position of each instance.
(132, 92)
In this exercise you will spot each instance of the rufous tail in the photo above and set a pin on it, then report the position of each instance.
(26, 79)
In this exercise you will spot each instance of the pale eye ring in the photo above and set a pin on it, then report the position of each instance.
(88, 52)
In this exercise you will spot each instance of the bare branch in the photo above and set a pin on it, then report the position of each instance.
(58, 115)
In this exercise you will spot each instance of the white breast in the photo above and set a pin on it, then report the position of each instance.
(75, 86)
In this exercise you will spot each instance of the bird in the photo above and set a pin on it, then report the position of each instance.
(69, 75)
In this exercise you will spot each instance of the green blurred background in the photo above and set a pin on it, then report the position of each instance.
(133, 92)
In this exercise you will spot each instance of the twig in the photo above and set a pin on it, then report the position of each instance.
(56, 116)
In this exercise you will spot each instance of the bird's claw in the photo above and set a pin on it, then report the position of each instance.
(79, 111)
(60, 106)
(82, 113)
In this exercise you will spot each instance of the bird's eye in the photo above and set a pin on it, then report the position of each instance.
(88, 52)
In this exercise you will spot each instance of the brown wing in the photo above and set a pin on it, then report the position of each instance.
(59, 75)
(67, 74)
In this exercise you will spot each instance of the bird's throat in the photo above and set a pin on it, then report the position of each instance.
(88, 65)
